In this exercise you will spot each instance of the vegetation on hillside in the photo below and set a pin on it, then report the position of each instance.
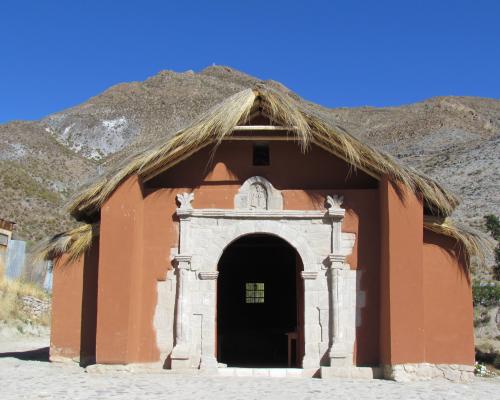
(486, 294)
(493, 226)
(13, 306)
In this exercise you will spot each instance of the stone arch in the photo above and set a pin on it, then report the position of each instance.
(274, 228)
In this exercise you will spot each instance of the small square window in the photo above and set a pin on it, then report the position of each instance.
(261, 154)
(254, 293)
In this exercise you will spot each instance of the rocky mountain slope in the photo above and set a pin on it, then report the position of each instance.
(454, 139)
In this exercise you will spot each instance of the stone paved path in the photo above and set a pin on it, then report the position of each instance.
(29, 379)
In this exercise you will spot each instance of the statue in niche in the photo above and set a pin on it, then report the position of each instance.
(258, 197)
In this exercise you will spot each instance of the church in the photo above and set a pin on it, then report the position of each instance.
(265, 239)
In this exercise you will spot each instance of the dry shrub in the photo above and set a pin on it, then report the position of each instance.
(11, 304)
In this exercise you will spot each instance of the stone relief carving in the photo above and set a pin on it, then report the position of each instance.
(257, 193)
(258, 197)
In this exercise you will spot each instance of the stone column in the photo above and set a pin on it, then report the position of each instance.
(208, 340)
(181, 352)
(339, 353)
(338, 349)
(311, 323)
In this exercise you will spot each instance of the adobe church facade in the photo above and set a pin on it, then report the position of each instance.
(263, 237)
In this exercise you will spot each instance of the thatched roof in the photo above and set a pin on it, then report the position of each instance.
(303, 121)
(73, 243)
(474, 245)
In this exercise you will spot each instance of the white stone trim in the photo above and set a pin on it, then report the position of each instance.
(425, 371)
(257, 214)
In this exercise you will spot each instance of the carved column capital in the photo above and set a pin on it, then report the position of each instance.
(182, 261)
(309, 275)
(208, 275)
(337, 261)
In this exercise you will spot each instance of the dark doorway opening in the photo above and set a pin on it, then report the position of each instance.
(259, 304)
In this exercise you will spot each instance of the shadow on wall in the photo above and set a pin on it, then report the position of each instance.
(453, 248)
(89, 306)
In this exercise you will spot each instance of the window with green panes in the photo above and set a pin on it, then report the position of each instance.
(254, 292)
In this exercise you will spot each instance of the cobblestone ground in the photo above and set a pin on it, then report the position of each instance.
(22, 377)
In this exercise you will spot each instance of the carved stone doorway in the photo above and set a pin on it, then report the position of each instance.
(329, 285)
(259, 304)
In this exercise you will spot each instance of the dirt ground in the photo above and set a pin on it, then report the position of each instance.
(26, 373)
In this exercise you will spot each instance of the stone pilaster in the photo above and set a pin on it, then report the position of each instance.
(339, 352)
(311, 357)
(208, 351)
(181, 353)
(182, 350)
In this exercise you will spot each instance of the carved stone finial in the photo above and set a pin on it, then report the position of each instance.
(185, 200)
(334, 201)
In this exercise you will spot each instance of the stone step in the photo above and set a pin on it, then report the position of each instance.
(352, 372)
(269, 372)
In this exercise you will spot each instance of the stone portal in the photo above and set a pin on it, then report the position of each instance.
(329, 285)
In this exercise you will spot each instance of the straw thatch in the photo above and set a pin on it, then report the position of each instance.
(283, 109)
(73, 243)
(472, 243)
(303, 121)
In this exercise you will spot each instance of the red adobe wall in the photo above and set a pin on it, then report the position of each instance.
(65, 330)
(401, 275)
(448, 312)
(139, 229)
(426, 300)
(138, 234)
(74, 307)
(120, 276)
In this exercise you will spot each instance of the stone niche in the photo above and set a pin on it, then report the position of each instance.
(257, 193)
(185, 318)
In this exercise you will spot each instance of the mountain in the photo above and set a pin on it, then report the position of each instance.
(453, 139)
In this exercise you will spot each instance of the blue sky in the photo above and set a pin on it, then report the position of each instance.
(56, 54)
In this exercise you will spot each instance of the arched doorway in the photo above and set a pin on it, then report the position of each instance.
(260, 303)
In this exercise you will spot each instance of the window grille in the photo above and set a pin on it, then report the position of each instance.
(254, 293)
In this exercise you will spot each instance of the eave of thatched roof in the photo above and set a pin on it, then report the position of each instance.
(73, 243)
(306, 125)
(474, 245)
